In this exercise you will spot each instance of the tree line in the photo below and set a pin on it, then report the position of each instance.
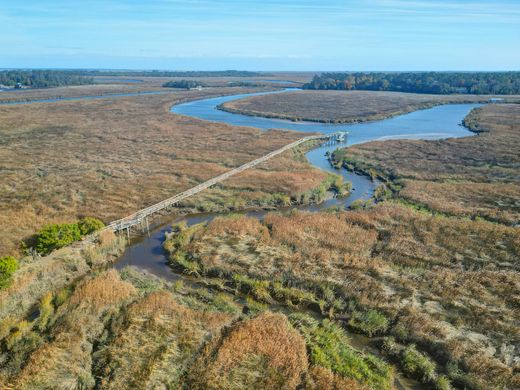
(54, 78)
(501, 83)
(167, 73)
(42, 78)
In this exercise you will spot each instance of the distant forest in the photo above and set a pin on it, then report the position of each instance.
(160, 73)
(55, 78)
(42, 78)
(502, 83)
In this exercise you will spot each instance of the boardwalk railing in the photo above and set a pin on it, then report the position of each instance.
(141, 216)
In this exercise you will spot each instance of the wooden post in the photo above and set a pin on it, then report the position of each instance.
(128, 233)
(147, 227)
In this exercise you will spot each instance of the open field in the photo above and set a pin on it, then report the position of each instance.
(78, 91)
(106, 85)
(344, 106)
(272, 79)
(107, 158)
(472, 177)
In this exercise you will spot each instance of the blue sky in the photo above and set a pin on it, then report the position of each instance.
(261, 34)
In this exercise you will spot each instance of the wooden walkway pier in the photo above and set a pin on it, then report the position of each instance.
(141, 217)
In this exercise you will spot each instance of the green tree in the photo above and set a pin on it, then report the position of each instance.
(89, 225)
(8, 265)
(56, 236)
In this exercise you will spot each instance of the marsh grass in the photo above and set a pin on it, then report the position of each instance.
(400, 272)
(68, 159)
(328, 346)
(343, 106)
(262, 352)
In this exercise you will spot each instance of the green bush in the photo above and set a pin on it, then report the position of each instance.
(382, 192)
(290, 295)
(89, 225)
(329, 347)
(418, 365)
(360, 204)
(46, 311)
(369, 322)
(8, 265)
(56, 236)
(443, 383)
(259, 289)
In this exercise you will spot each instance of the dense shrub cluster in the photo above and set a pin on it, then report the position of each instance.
(55, 236)
(370, 322)
(415, 363)
(505, 83)
(8, 265)
(188, 84)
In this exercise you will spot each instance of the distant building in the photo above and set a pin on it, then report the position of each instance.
(496, 100)
(18, 86)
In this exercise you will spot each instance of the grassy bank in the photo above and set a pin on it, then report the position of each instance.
(110, 330)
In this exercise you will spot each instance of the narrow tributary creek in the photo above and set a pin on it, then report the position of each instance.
(146, 252)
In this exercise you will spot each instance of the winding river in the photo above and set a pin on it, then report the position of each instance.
(435, 123)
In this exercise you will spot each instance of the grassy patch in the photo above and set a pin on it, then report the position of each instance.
(328, 347)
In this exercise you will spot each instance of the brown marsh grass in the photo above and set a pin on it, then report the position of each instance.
(155, 343)
(64, 361)
(448, 285)
(343, 106)
(262, 353)
(108, 158)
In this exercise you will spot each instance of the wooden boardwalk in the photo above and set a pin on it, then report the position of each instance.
(140, 218)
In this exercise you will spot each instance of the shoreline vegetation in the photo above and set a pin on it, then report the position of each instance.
(345, 106)
(48, 78)
(42, 78)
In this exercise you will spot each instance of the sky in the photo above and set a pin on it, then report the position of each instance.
(303, 35)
